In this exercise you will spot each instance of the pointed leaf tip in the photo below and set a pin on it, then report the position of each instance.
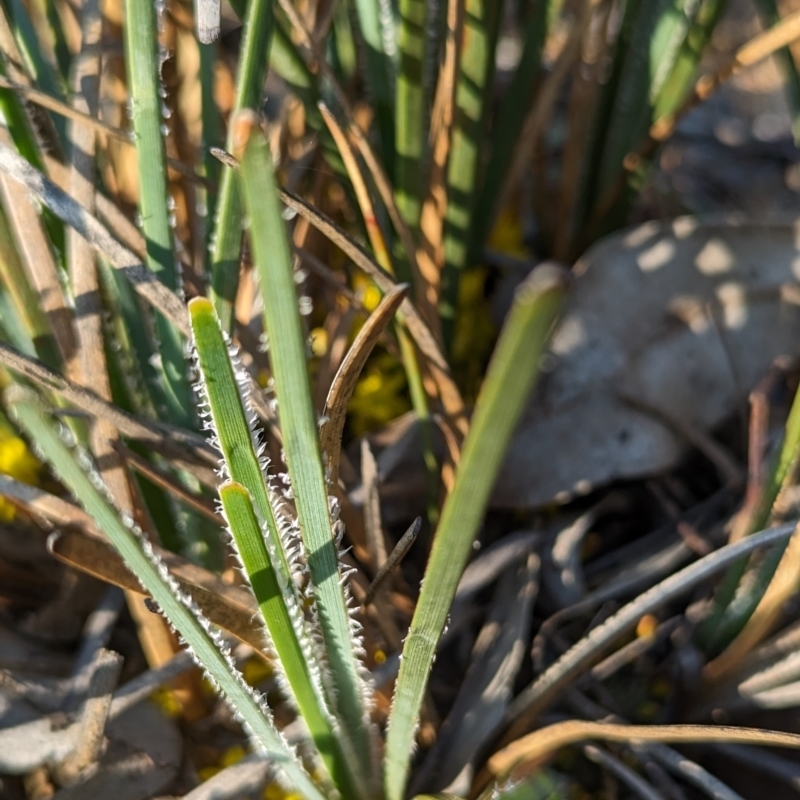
(546, 277)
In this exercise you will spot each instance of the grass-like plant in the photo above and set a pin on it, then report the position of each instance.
(308, 623)
(442, 158)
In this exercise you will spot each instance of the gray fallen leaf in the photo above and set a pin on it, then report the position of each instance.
(683, 316)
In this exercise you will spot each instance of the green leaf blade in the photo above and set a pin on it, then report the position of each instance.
(141, 42)
(475, 76)
(284, 620)
(227, 237)
(287, 353)
(511, 376)
(233, 422)
(410, 111)
(377, 25)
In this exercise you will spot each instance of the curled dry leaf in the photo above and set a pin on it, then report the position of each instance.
(345, 381)
(682, 317)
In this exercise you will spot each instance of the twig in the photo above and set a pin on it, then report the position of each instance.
(200, 504)
(33, 246)
(638, 785)
(72, 213)
(534, 747)
(370, 480)
(51, 103)
(396, 556)
(153, 433)
(690, 771)
(609, 666)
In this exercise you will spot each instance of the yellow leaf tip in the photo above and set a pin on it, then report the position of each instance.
(232, 487)
(200, 305)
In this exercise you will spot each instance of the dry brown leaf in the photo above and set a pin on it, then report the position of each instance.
(232, 608)
(536, 746)
(345, 381)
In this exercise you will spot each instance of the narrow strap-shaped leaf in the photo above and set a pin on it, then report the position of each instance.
(476, 70)
(227, 237)
(509, 380)
(631, 115)
(410, 111)
(703, 22)
(286, 626)
(142, 59)
(211, 117)
(376, 22)
(33, 323)
(287, 353)
(78, 475)
(233, 421)
(43, 73)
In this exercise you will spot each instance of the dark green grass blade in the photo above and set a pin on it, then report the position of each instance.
(379, 72)
(476, 73)
(410, 114)
(212, 137)
(141, 49)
